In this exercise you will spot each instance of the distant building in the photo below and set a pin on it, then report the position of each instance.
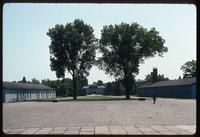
(182, 88)
(13, 92)
(88, 90)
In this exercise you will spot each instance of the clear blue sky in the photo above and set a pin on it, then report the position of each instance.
(25, 43)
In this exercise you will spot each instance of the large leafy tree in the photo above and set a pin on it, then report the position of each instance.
(124, 47)
(189, 69)
(72, 49)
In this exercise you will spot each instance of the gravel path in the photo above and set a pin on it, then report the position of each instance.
(97, 113)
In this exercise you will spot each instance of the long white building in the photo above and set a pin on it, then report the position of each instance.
(13, 92)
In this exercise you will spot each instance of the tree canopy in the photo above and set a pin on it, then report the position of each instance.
(63, 87)
(100, 83)
(124, 47)
(72, 49)
(189, 69)
(35, 81)
(160, 77)
(24, 80)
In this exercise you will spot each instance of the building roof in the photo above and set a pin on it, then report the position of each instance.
(85, 87)
(95, 87)
(11, 85)
(100, 86)
(180, 82)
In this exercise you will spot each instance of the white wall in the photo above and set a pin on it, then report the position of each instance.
(11, 95)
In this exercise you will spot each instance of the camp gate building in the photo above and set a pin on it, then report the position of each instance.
(13, 92)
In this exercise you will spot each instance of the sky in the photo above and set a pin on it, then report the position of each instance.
(26, 45)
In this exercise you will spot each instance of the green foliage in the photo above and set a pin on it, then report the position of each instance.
(24, 80)
(63, 87)
(49, 83)
(108, 85)
(93, 85)
(99, 83)
(149, 78)
(35, 81)
(81, 82)
(189, 69)
(72, 49)
(117, 88)
(134, 89)
(124, 47)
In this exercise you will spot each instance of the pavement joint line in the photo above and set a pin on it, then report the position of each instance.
(139, 130)
(54, 130)
(177, 131)
(173, 131)
(41, 131)
(29, 129)
(66, 129)
(36, 130)
(104, 129)
(185, 127)
(124, 129)
(154, 129)
(120, 128)
(109, 129)
(51, 130)
(79, 131)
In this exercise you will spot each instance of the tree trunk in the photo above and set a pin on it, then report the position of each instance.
(128, 84)
(127, 94)
(74, 85)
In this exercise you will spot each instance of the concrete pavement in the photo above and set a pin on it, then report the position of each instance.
(109, 130)
(132, 117)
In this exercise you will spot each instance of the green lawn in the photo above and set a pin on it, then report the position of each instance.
(91, 98)
(94, 98)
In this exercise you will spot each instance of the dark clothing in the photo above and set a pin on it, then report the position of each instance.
(154, 99)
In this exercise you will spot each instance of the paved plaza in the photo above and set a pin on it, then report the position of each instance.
(167, 116)
(110, 130)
